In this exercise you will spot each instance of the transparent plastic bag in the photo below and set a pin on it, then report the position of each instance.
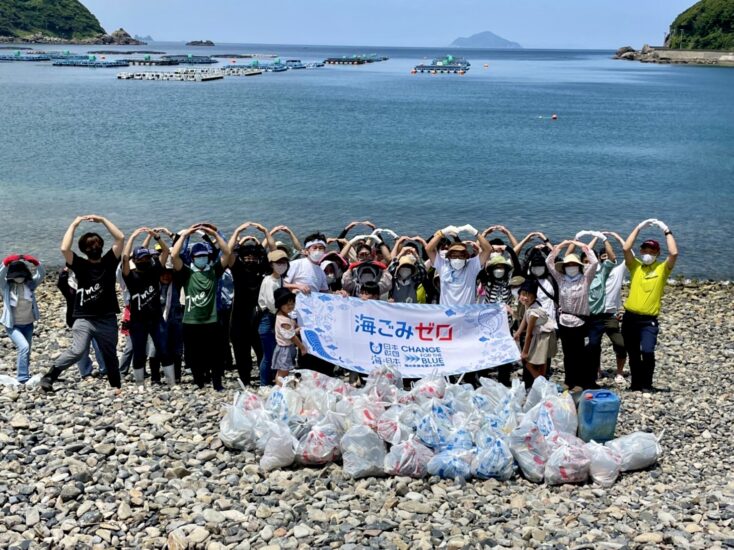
(606, 464)
(530, 450)
(6, 380)
(451, 464)
(435, 427)
(284, 403)
(459, 438)
(390, 428)
(363, 453)
(237, 427)
(535, 395)
(384, 384)
(365, 411)
(280, 450)
(555, 413)
(495, 393)
(638, 450)
(494, 460)
(491, 429)
(567, 464)
(319, 446)
(409, 458)
(458, 398)
(430, 387)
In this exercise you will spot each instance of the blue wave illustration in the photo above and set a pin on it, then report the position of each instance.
(315, 342)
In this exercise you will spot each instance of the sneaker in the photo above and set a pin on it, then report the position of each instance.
(46, 384)
(619, 380)
(653, 389)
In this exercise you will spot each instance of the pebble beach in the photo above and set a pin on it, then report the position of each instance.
(85, 468)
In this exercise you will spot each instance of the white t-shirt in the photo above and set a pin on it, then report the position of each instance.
(545, 301)
(613, 289)
(305, 272)
(458, 287)
(266, 298)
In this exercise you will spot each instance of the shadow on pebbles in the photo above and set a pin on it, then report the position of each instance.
(83, 468)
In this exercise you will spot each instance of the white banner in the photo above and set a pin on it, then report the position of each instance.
(417, 339)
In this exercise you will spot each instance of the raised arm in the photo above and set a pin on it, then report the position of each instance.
(178, 245)
(550, 261)
(530, 236)
(501, 229)
(629, 244)
(165, 251)
(485, 249)
(128, 250)
(117, 235)
(224, 247)
(68, 240)
(670, 243)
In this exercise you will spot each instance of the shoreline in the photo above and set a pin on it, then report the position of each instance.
(671, 56)
(142, 470)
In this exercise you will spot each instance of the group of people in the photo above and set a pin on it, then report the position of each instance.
(192, 297)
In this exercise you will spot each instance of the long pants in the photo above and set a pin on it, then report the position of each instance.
(22, 338)
(224, 317)
(172, 346)
(85, 363)
(605, 323)
(202, 354)
(640, 334)
(104, 331)
(245, 338)
(577, 370)
(126, 359)
(266, 330)
(140, 331)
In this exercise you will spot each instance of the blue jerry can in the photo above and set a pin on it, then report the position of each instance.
(598, 411)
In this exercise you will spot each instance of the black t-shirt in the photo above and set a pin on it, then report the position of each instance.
(96, 293)
(145, 292)
(247, 283)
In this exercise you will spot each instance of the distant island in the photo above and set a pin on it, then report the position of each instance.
(144, 38)
(701, 35)
(485, 39)
(200, 43)
(55, 22)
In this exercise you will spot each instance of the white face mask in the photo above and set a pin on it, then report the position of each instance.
(456, 263)
(293, 314)
(316, 255)
(331, 278)
(538, 270)
(280, 268)
(442, 253)
(494, 255)
(515, 292)
(498, 273)
(19, 280)
(572, 270)
(647, 259)
(404, 272)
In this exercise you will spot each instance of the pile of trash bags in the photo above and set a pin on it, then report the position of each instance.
(453, 431)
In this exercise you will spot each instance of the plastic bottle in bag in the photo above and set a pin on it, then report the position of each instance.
(567, 464)
(390, 428)
(493, 461)
(529, 448)
(319, 446)
(363, 453)
(606, 464)
(638, 450)
(409, 458)
(451, 464)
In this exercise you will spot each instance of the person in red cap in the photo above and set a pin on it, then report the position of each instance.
(648, 276)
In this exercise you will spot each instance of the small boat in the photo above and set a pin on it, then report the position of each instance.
(294, 64)
(314, 65)
(448, 64)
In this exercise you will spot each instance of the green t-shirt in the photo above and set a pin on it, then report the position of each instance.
(200, 288)
(597, 289)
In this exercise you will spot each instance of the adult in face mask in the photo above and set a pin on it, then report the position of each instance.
(249, 267)
(144, 285)
(648, 276)
(458, 272)
(305, 274)
(574, 279)
(95, 301)
(408, 276)
(20, 310)
(200, 284)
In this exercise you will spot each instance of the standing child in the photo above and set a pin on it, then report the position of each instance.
(286, 335)
(539, 330)
(20, 310)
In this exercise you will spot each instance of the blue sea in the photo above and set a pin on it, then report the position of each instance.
(317, 148)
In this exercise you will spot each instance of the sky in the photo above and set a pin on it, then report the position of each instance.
(604, 24)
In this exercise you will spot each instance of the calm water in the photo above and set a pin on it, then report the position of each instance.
(317, 148)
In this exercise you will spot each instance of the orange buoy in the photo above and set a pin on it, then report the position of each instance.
(413, 71)
(462, 72)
